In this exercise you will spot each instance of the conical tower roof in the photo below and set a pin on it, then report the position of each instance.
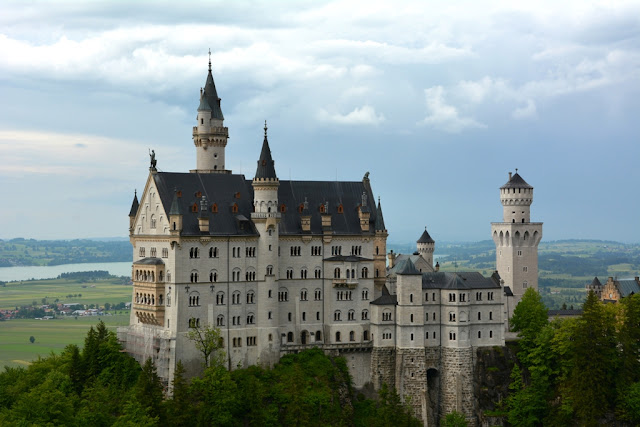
(266, 166)
(209, 99)
(516, 181)
(379, 218)
(134, 205)
(425, 238)
(175, 206)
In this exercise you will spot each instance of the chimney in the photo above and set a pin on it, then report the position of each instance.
(509, 176)
(437, 266)
(392, 259)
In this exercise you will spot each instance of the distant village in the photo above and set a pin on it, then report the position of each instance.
(51, 311)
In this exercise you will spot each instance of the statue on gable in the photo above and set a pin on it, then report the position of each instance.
(152, 155)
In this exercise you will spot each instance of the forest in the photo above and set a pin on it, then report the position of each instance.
(102, 386)
(579, 371)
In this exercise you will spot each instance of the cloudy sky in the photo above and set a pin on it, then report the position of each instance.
(437, 100)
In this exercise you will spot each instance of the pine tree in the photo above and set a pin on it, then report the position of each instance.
(148, 390)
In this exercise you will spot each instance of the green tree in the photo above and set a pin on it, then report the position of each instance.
(179, 408)
(107, 306)
(454, 419)
(148, 391)
(594, 362)
(217, 397)
(208, 342)
(529, 317)
(32, 339)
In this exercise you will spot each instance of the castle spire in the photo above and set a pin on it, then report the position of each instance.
(134, 205)
(266, 168)
(210, 96)
(379, 218)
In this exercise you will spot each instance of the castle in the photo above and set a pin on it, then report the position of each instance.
(281, 266)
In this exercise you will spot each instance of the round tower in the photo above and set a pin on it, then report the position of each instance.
(210, 136)
(266, 217)
(516, 239)
(426, 246)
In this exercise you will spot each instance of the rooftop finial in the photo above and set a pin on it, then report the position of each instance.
(209, 59)
(516, 170)
(265, 128)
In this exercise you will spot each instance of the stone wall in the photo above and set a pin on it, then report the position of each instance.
(456, 383)
(383, 366)
(411, 379)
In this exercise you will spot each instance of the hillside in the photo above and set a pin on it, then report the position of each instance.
(27, 252)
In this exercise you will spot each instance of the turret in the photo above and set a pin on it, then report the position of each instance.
(516, 197)
(426, 245)
(380, 242)
(133, 212)
(410, 310)
(175, 215)
(210, 136)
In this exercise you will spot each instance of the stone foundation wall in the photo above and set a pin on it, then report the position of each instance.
(411, 379)
(383, 366)
(456, 383)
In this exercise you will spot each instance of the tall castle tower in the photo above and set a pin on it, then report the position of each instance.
(426, 246)
(266, 217)
(516, 239)
(210, 136)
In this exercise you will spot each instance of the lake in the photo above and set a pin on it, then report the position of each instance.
(8, 274)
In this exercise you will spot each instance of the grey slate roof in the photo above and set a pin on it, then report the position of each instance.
(596, 282)
(134, 205)
(266, 166)
(628, 287)
(400, 260)
(386, 298)
(210, 98)
(425, 238)
(516, 181)
(222, 190)
(408, 269)
(175, 206)
(507, 291)
(149, 261)
(460, 280)
(348, 258)
(380, 221)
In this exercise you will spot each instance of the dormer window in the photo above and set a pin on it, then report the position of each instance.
(301, 208)
(234, 208)
(199, 194)
(340, 208)
(283, 208)
(194, 207)
(214, 208)
(179, 193)
(321, 209)
(237, 195)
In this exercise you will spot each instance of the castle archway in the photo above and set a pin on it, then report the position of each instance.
(433, 396)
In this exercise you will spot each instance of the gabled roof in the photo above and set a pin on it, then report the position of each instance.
(266, 166)
(134, 205)
(210, 98)
(425, 238)
(516, 181)
(596, 282)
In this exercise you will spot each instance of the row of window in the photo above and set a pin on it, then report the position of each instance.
(463, 297)
(148, 299)
(351, 315)
(387, 335)
(351, 273)
(153, 252)
(147, 276)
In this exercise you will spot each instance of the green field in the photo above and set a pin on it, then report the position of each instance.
(89, 292)
(50, 335)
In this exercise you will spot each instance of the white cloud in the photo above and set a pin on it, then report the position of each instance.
(365, 115)
(526, 112)
(443, 116)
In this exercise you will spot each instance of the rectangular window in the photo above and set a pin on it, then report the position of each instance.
(165, 253)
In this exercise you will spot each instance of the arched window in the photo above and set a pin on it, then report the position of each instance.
(220, 320)
(213, 276)
(337, 316)
(365, 273)
(235, 297)
(365, 314)
(338, 336)
(352, 336)
(220, 298)
(336, 273)
(251, 297)
(290, 337)
(351, 315)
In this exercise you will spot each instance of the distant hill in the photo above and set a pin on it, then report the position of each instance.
(28, 252)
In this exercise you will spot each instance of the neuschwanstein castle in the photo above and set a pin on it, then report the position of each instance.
(281, 266)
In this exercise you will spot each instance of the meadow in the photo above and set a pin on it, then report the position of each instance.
(96, 292)
(50, 336)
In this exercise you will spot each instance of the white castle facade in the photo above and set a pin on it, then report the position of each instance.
(281, 266)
